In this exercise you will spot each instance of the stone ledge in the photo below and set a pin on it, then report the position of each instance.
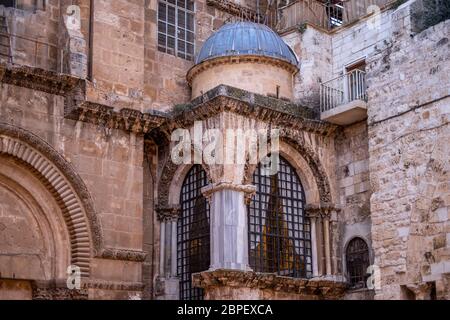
(228, 99)
(39, 79)
(321, 288)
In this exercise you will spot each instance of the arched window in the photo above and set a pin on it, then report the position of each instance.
(193, 233)
(357, 258)
(279, 232)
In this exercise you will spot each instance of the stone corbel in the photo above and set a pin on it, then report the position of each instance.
(168, 213)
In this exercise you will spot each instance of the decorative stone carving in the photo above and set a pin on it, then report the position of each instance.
(249, 190)
(319, 288)
(167, 214)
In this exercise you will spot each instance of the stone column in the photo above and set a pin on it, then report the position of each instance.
(168, 282)
(229, 227)
(326, 232)
(313, 214)
(326, 214)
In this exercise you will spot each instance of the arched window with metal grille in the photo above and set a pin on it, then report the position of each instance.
(279, 232)
(358, 261)
(193, 233)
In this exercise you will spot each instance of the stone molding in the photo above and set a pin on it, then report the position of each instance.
(210, 63)
(57, 290)
(39, 79)
(125, 119)
(323, 288)
(69, 189)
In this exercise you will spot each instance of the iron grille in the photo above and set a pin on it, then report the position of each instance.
(193, 233)
(279, 232)
(357, 263)
(176, 28)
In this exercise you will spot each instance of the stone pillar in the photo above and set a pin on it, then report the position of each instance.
(326, 212)
(326, 233)
(229, 227)
(313, 214)
(168, 282)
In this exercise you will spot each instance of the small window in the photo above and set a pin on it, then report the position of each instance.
(176, 28)
(358, 263)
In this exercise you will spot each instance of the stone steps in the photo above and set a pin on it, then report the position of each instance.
(5, 41)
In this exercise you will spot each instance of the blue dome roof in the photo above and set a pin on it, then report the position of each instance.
(246, 38)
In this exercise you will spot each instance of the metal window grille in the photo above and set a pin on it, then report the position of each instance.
(176, 28)
(193, 233)
(279, 232)
(357, 263)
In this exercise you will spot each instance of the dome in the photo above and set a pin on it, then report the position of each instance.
(246, 38)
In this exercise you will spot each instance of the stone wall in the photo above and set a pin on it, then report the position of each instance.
(313, 48)
(358, 42)
(409, 140)
(354, 189)
(109, 162)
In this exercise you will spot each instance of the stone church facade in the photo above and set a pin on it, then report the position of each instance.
(92, 93)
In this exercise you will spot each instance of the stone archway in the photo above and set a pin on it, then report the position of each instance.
(63, 185)
(307, 165)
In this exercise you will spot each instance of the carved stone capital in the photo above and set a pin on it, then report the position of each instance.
(168, 214)
(312, 211)
(327, 210)
(248, 190)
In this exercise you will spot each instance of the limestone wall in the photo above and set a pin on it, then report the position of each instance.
(354, 191)
(409, 139)
(110, 164)
(313, 48)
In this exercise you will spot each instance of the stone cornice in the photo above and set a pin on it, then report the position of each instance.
(323, 288)
(125, 119)
(220, 99)
(39, 79)
(257, 59)
(234, 9)
(228, 99)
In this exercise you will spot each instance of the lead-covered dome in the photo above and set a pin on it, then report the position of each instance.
(246, 38)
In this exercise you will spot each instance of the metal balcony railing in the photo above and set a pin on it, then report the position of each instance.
(326, 14)
(342, 90)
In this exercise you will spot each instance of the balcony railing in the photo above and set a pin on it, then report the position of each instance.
(342, 90)
(326, 15)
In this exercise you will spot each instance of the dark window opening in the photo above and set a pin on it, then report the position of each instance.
(279, 232)
(193, 233)
(357, 263)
